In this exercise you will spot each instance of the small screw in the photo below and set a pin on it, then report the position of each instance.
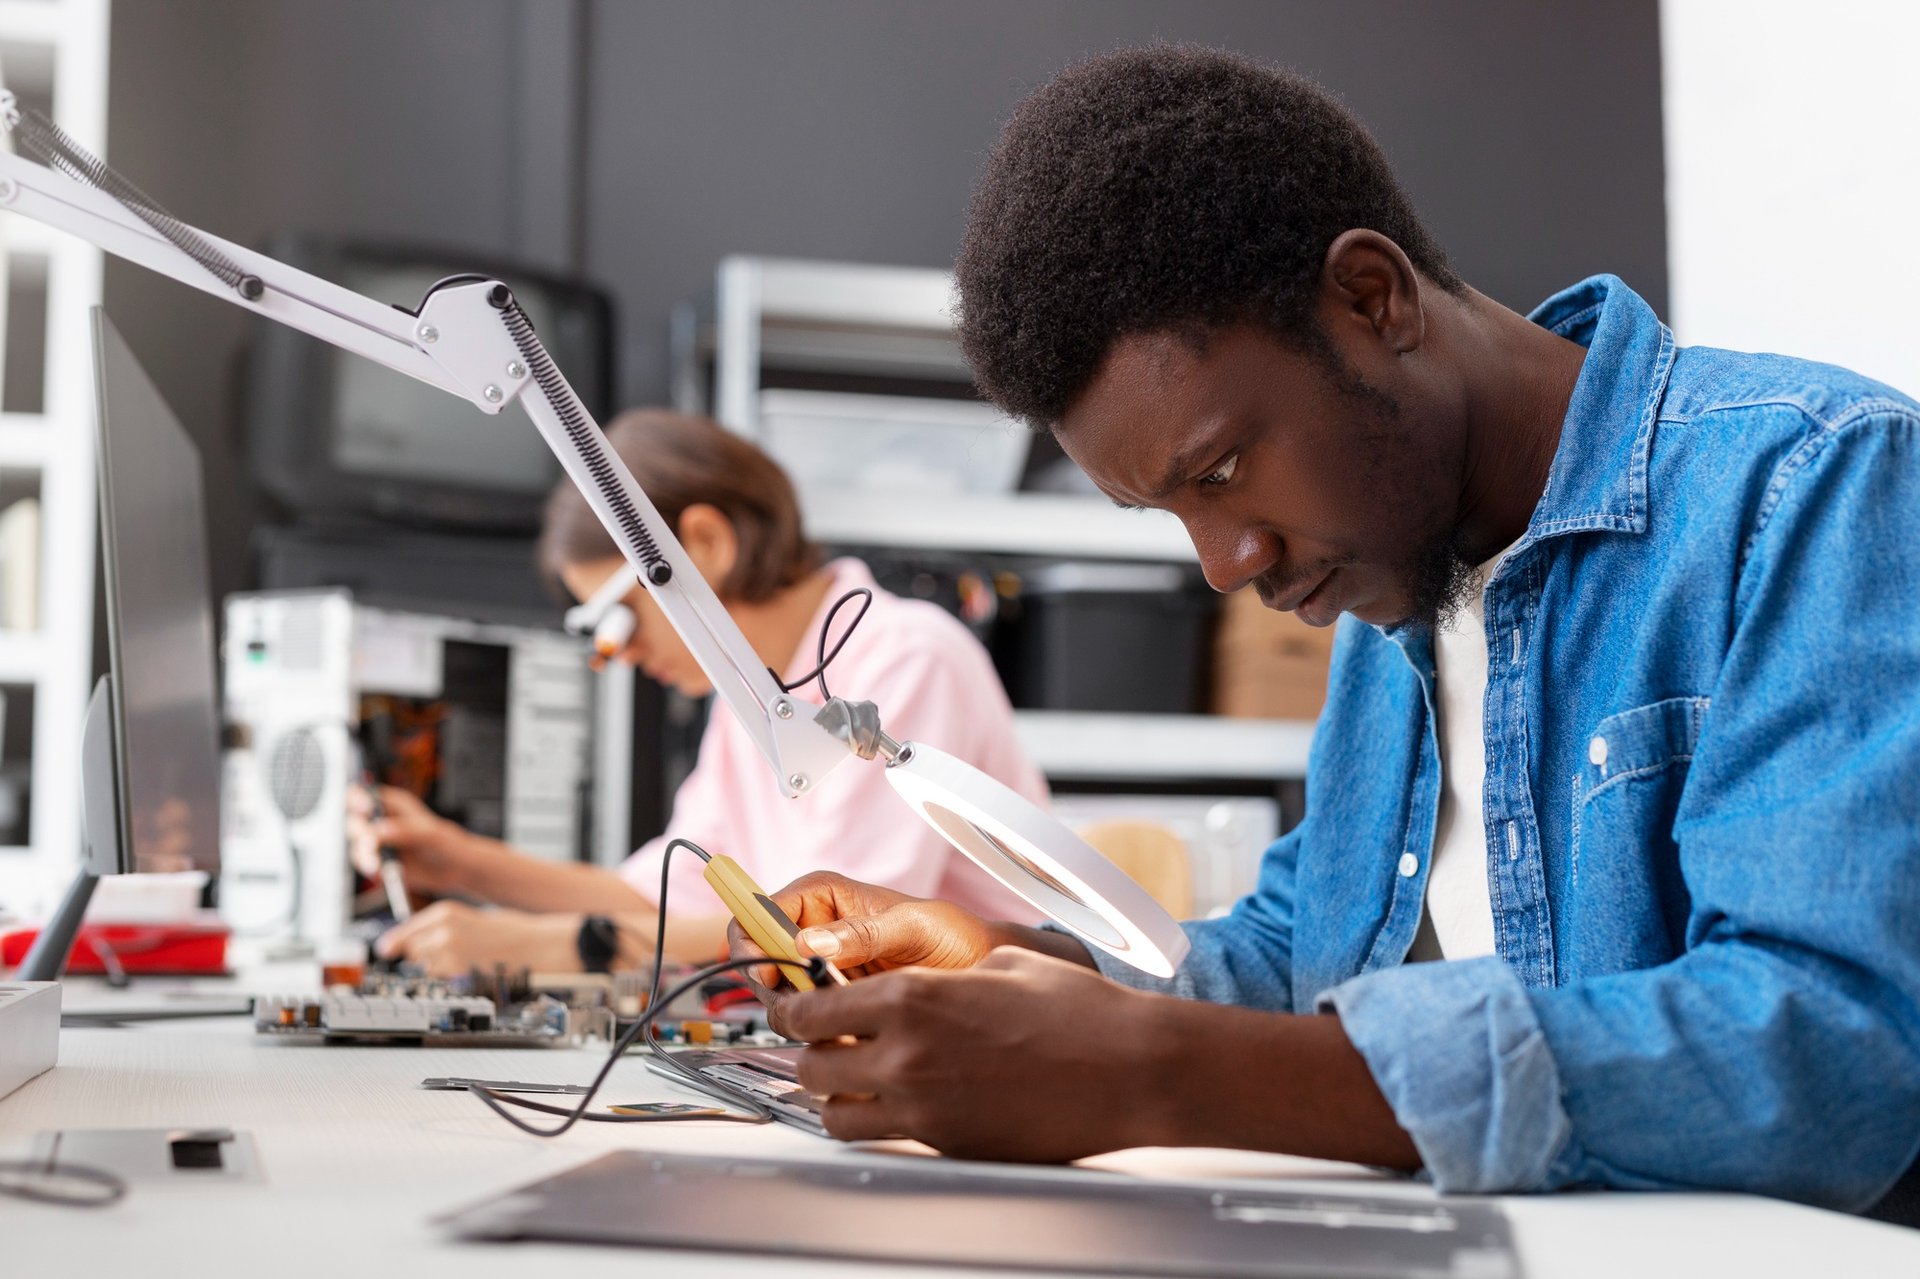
(797, 782)
(427, 333)
(490, 393)
(783, 708)
(8, 190)
(516, 369)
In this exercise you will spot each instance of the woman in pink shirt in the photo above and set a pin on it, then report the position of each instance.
(735, 512)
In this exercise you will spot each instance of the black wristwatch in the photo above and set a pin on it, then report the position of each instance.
(598, 943)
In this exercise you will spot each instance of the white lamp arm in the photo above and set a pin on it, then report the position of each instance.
(471, 339)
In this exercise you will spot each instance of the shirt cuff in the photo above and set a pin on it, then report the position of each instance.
(1460, 1056)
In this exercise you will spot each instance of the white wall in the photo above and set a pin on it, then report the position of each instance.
(1793, 178)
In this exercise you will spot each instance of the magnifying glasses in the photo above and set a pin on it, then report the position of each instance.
(605, 615)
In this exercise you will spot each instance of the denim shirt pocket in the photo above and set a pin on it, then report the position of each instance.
(1627, 790)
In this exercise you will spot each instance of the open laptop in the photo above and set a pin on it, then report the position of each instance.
(769, 1076)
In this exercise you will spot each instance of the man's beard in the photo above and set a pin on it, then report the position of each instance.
(1440, 582)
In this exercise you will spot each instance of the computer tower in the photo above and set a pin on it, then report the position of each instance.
(501, 728)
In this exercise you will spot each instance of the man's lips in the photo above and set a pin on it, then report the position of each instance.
(1295, 597)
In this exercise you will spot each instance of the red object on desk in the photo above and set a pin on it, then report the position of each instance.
(175, 949)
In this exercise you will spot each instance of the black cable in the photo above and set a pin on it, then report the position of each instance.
(656, 1003)
(826, 626)
(40, 1182)
(815, 968)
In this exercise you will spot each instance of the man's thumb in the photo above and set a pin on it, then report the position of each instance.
(851, 942)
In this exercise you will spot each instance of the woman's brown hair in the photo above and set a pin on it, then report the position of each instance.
(681, 461)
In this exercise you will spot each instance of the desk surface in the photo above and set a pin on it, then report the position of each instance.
(358, 1159)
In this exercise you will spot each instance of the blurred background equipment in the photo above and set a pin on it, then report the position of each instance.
(493, 725)
(333, 436)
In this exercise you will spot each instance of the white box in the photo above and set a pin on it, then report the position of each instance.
(29, 1031)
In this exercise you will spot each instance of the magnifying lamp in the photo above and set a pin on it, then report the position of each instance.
(1033, 854)
(470, 338)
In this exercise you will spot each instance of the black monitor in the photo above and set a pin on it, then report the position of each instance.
(150, 765)
(333, 435)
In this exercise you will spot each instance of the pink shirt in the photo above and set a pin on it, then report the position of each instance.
(933, 683)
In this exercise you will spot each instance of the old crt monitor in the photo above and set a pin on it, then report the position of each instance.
(335, 436)
(150, 772)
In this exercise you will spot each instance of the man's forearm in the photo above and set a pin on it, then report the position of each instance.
(1240, 1078)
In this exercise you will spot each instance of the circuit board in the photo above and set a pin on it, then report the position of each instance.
(436, 1021)
(501, 1008)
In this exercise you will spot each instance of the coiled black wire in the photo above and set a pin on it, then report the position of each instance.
(52, 145)
(587, 441)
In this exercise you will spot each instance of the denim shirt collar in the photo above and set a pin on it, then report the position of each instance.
(1599, 475)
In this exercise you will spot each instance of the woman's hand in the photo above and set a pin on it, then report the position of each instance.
(448, 938)
(433, 851)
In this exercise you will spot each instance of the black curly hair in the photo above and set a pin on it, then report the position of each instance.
(1164, 189)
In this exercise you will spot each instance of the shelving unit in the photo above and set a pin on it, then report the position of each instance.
(53, 55)
(779, 321)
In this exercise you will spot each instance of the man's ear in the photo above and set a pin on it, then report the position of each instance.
(711, 542)
(1370, 292)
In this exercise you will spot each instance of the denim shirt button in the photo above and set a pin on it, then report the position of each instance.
(1409, 865)
(1597, 752)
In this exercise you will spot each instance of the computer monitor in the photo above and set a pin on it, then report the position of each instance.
(160, 629)
(332, 435)
(150, 772)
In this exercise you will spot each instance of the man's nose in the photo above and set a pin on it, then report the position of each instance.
(1231, 556)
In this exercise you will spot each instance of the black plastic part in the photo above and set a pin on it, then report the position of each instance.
(659, 572)
(195, 1153)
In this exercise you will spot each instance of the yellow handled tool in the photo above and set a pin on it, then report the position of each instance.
(765, 922)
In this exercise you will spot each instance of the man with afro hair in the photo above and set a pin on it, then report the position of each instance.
(1612, 844)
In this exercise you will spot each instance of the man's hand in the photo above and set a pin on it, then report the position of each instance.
(865, 929)
(430, 848)
(1021, 1057)
(448, 938)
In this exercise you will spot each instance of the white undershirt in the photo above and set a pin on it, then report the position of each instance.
(1458, 920)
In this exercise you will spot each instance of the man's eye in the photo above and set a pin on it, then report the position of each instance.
(1221, 473)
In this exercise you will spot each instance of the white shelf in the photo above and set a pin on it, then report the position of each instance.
(23, 441)
(1022, 523)
(23, 657)
(56, 660)
(1097, 746)
(32, 21)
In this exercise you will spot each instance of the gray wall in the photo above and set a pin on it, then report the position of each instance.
(637, 142)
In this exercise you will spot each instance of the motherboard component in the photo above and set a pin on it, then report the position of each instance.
(437, 1020)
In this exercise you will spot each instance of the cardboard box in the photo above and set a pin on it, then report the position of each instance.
(1268, 664)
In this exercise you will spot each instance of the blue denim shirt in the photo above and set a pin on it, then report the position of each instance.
(1702, 803)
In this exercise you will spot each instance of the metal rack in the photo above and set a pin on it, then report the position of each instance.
(891, 329)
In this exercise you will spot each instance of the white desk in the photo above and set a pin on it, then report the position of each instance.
(357, 1160)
